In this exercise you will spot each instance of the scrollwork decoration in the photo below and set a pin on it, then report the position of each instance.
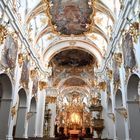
(3, 33)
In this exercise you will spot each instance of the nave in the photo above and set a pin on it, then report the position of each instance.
(69, 69)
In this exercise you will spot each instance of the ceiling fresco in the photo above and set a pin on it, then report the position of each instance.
(71, 17)
(74, 82)
(73, 58)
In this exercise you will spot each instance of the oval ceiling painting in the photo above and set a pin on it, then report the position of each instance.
(71, 16)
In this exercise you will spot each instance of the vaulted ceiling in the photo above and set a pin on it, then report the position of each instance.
(85, 24)
(72, 38)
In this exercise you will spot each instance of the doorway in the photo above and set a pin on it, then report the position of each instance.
(133, 107)
(5, 103)
(21, 114)
(120, 124)
(32, 118)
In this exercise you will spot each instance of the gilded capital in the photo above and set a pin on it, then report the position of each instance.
(3, 33)
(51, 99)
(109, 73)
(42, 85)
(118, 58)
(134, 31)
(13, 111)
(123, 112)
(111, 116)
(33, 74)
(20, 58)
(102, 86)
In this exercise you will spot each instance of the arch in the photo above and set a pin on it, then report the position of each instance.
(32, 118)
(133, 106)
(110, 122)
(132, 87)
(21, 114)
(47, 30)
(36, 11)
(33, 105)
(70, 44)
(118, 99)
(6, 86)
(119, 123)
(48, 119)
(5, 103)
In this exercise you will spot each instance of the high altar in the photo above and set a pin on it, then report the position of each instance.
(74, 116)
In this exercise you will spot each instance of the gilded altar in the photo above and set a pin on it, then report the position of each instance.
(73, 116)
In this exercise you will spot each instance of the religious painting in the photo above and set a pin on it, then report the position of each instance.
(25, 73)
(116, 76)
(35, 86)
(10, 53)
(108, 86)
(128, 53)
(70, 16)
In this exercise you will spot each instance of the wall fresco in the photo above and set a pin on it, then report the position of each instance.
(25, 73)
(10, 53)
(128, 53)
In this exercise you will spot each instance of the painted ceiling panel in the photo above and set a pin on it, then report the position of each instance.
(74, 82)
(70, 17)
(73, 58)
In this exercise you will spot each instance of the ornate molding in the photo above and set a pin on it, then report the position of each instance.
(3, 33)
(118, 58)
(122, 111)
(111, 116)
(42, 85)
(29, 115)
(134, 31)
(102, 86)
(128, 72)
(51, 99)
(13, 111)
(116, 85)
(20, 59)
(109, 73)
(33, 74)
(72, 42)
